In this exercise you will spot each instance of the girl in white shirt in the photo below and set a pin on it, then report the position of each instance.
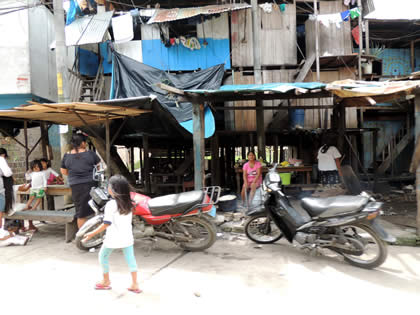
(48, 171)
(119, 234)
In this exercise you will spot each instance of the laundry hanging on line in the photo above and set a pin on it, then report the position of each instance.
(336, 18)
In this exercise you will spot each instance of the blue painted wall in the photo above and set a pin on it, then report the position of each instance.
(88, 62)
(8, 101)
(178, 57)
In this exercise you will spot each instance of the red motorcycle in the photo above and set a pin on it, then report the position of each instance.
(182, 218)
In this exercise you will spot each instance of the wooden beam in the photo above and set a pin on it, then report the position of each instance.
(17, 141)
(119, 130)
(170, 89)
(359, 4)
(271, 107)
(198, 145)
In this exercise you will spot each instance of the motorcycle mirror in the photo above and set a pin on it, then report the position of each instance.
(273, 169)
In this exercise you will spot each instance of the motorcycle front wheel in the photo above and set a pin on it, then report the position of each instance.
(262, 230)
(89, 226)
(201, 231)
(374, 252)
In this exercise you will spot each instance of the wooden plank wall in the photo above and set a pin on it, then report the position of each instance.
(277, 41)
(246, 120)
(316, 118)
(332, 40)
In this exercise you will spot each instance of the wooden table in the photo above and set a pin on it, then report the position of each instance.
(52, 190)
(304, 168)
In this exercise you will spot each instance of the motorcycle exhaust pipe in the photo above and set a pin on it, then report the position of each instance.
(170, 237)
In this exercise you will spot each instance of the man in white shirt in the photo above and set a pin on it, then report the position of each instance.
(329, 164)
(6, 172)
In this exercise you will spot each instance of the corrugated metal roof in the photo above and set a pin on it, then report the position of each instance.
(88, 29)
(395, 10)
(168, 15)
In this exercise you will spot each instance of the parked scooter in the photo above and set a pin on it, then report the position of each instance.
(181, 218)
(346, 225)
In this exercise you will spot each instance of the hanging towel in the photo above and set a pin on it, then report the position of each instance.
(326, 19)
(123, 28)
(345, 15)
(355, 33)
(354, 13)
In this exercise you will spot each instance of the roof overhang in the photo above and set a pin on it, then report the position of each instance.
(79, 114)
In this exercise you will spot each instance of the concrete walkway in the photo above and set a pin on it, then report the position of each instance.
(234, 276)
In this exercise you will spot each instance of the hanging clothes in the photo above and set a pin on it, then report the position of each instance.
(345, 15)
(356, 33)
(354, 13)
(123, 28)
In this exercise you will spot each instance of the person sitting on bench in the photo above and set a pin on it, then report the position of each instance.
(252, 177)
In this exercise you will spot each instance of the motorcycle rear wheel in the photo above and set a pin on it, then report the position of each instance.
(262, 230)
(201, 230)
(89, 226)
(370, 258)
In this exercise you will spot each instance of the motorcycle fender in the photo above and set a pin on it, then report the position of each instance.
(384, 235)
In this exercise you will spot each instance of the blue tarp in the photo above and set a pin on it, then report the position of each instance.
(273, 87)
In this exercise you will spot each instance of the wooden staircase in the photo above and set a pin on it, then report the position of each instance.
(395, 146)
(86, 88)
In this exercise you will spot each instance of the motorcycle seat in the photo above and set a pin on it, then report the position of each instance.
(175, 203)
(332, 206)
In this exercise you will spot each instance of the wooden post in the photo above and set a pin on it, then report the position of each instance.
(107, 148)
(243, 146)
(132, 160)
(341, 127)
(413, 66)
(359, 4)
(276, 148)
(215, 161)
(256, 27)
(198, 144)
(44, 139)
(318, 75)
(141, 173)
(417, 133)
(146, 163)
(25, 130)
(367, 45)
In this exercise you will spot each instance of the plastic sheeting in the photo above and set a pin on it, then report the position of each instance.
(131, 78)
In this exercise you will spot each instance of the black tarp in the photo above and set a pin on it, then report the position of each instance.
(132, 78)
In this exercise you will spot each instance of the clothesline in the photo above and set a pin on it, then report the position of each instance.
(336, 18)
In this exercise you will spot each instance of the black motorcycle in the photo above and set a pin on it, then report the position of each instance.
(346, 225)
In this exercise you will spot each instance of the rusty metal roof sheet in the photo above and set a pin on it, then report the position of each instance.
(168, 15)
(88, 29)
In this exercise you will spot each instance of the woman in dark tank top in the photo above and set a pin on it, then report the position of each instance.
(78, 166)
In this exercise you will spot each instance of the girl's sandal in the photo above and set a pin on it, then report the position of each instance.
(135, 290)
(100, 286)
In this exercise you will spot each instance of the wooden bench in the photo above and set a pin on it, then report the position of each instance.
(61, 217)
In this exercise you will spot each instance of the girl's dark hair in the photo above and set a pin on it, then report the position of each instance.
(8, 192)
(329, 141)
(121, 189)
(36, 163)
(249, 152)
(76, 141)
(46, 161)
